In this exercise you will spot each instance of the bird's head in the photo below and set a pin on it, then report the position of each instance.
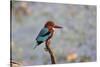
(50, 25)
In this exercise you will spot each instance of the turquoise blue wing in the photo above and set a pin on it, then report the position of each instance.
(43, 35)
(40, 38)
(43, 31)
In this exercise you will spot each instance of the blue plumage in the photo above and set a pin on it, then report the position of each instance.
(45, 34)
(42, 36)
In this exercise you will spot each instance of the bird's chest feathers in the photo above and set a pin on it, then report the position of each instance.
(51, 30)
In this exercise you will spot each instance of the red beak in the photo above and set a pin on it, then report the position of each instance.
(57, 26)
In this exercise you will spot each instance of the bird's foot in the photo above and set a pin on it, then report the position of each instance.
(45, 49)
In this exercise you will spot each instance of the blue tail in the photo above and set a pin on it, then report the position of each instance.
(35, 44)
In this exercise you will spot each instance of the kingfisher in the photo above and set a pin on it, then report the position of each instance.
(46, 33)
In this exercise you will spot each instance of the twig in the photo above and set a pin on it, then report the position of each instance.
(53, 61)
(14, 64)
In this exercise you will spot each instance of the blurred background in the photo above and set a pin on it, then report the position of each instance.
(76, 42)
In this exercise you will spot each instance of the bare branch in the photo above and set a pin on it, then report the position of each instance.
(53, 61)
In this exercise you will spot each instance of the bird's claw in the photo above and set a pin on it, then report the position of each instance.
(45, 49)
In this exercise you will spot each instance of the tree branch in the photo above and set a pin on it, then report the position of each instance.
(14, 64)
(53, 61)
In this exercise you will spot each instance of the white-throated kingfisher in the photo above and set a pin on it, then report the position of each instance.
(46, 33)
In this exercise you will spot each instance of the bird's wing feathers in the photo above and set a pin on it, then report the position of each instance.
(43, 31)
(43, 35)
